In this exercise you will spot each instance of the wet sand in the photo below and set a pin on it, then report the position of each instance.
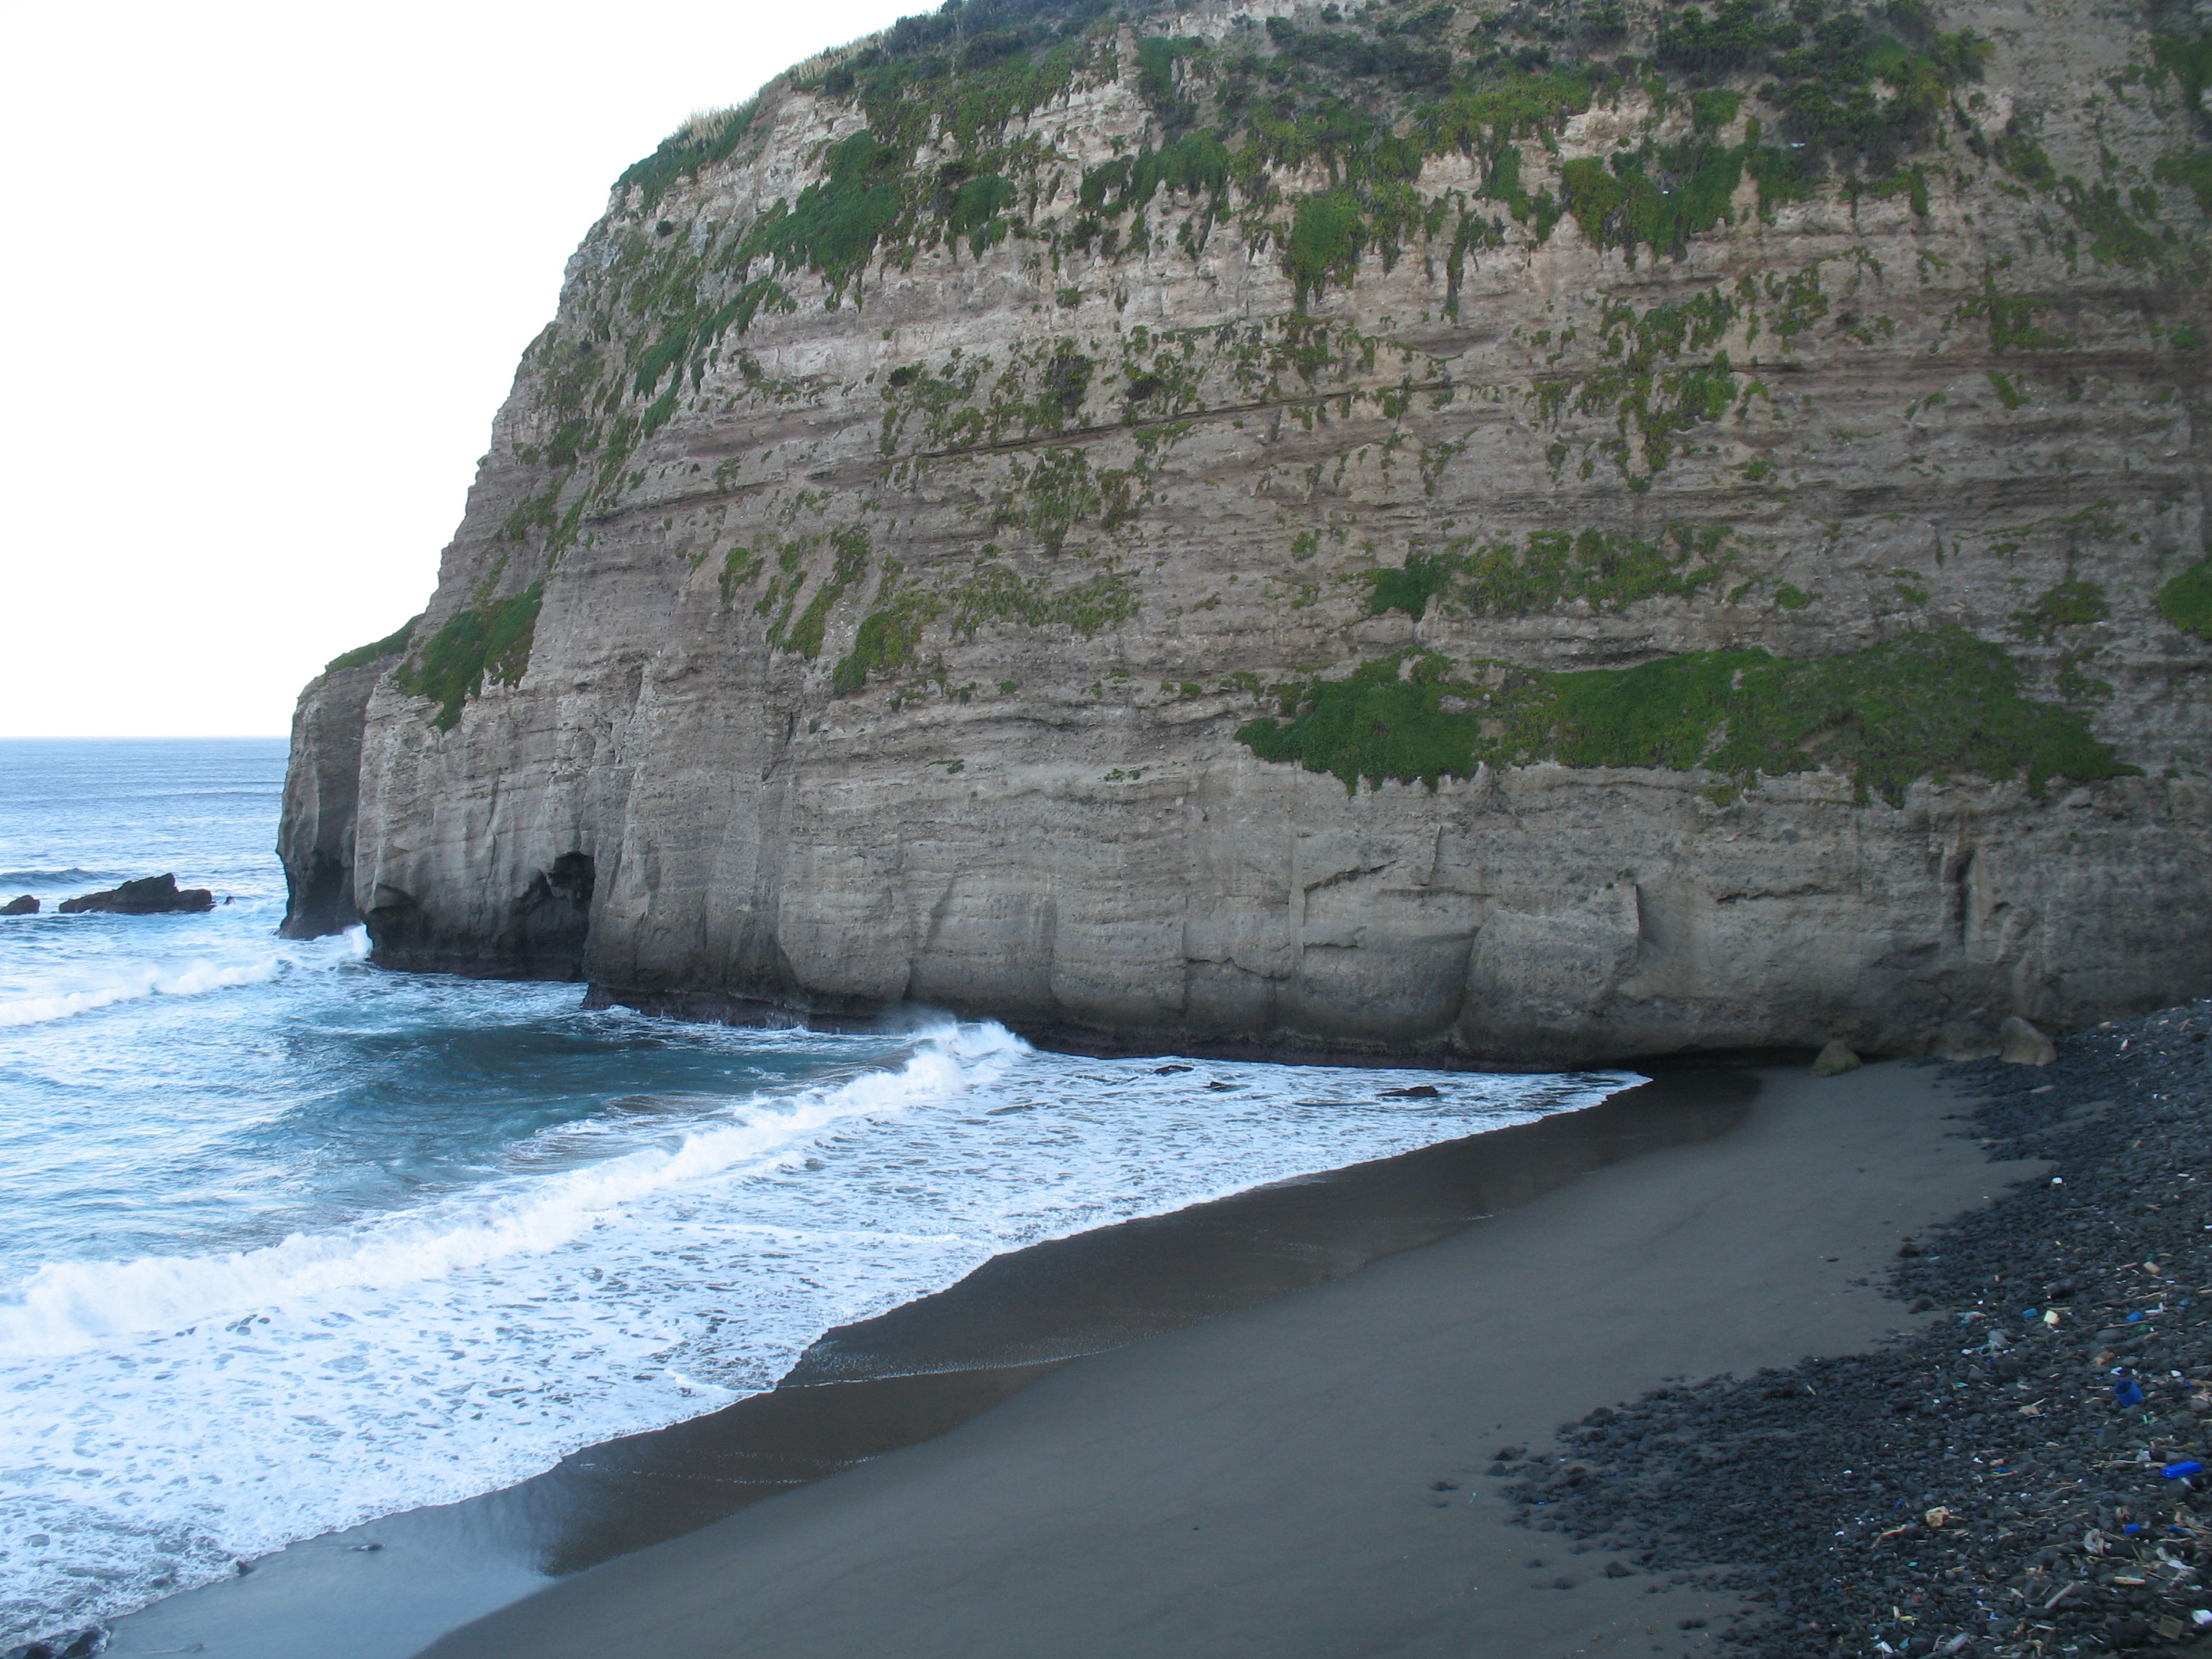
(1303, 1476)
(382, 1590)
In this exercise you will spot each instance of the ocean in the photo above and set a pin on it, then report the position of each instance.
(292, 1241)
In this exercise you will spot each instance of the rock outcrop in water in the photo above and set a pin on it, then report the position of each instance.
(149, 896)
(1541, 532)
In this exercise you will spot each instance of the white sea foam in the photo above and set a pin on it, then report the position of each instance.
(76, 988)
(170, 1413)
(67, 1307)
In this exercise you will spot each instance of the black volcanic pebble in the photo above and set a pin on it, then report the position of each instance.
(1991, 1476)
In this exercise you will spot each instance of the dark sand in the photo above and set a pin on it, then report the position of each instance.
(381, 1590)
(1267, 1482)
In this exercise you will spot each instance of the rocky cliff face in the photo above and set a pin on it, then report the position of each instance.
(1535, 533)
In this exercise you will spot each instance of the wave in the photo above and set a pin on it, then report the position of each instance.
(129, 982)
(55, 878)
(68, 1307)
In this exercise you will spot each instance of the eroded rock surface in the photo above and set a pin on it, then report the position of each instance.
(1542, 534)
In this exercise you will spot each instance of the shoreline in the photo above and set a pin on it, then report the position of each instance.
(1307, 1475)
(925, 1368)
(1100, 1043)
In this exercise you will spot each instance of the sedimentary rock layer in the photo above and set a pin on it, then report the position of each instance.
(1533, 535)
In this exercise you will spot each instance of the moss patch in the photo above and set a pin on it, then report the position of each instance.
(1932, 704)
(885, 641)
(1549, 569)
(996, 594)
(2186, 601)
(2069, 603)
(494, 639)
(2192, 172)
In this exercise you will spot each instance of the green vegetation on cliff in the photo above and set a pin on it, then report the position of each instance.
(934, 156)
(1933, 704)
(1549, 569)
(361, 655)
(477, 641)
(2186, 601)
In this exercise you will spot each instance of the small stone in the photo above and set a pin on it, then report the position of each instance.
(1835, 1059)
(1614, 1569)
(2024, 1045)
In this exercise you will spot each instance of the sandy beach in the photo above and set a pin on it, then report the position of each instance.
(1306, 1476)
(869, 1389)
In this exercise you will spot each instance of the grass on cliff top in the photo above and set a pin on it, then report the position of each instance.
(1933, 704)
(494, 639)
(1366, 94)
(700, 142)
(361, 655)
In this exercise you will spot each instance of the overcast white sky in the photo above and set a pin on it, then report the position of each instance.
(268, 270)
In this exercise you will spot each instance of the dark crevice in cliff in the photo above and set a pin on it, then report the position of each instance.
(319, 898)
(541, 937)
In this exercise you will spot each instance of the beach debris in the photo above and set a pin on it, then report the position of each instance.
(1168, 1071)
(1835, 1060)
(24, 906)
(2023, 1044)
(1418, 1091)
(2060, 1531)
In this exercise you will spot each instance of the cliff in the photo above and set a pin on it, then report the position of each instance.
(1535, 533)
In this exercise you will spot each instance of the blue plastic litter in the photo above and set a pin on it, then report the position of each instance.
(2188, 1466)
(2134, 1319)
(2132, 1529)
(2031, 1313)
(2128, 1392)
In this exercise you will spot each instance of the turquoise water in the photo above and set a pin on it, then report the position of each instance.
(294, 1242)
